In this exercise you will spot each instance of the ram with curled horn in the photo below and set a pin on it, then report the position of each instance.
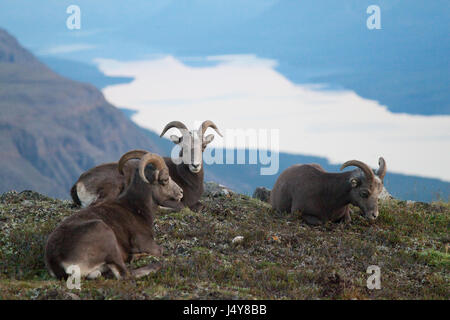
(102, 238)
(104, 183)
(187, 169)
(323, 196)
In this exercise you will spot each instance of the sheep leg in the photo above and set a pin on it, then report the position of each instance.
(144, 271)
(119, 270)
(116, 264)
(155, 250)
(172, 205)
(167, 209)
(196, 207)
(145, 245)
(311, 220)
(345, 216)
(137, 256)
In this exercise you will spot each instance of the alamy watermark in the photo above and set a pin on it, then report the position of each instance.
(374, 281)
(241, 146)
(374, 20)
(74, 20)
(74, 280)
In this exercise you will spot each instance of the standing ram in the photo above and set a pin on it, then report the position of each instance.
(103, 237)
(323, 196)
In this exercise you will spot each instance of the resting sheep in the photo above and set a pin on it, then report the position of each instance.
(188, 173)
(103, 182)
(322, 196)
(103, 237)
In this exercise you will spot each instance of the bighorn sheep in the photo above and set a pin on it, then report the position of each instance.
(103, 182)
(105, 236)
(188, 173)
(322, 196)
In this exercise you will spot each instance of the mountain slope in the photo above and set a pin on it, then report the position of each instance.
(82, 72)
(53, 128)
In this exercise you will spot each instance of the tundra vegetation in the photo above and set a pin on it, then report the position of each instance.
(279, 257)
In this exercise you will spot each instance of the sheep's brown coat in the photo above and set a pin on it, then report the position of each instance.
(105, 236)
(104, 183)
(322, 196)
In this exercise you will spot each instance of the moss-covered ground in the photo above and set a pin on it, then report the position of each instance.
(280, 256)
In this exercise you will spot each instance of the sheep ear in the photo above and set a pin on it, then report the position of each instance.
(208, 139)
(354, 182)
(175, 139)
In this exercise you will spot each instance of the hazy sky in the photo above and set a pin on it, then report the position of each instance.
(244, 91)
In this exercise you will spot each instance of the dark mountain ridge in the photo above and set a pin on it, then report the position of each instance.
(53, 128)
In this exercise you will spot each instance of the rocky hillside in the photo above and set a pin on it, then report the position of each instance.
(238, 248)
(53, 128)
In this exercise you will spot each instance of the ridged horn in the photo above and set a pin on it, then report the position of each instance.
(173, 124)
(150, 158)
(209, 124)
(133, 154)
(364, 167)
(381, 172)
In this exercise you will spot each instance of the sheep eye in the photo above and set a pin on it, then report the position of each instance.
(165, 181)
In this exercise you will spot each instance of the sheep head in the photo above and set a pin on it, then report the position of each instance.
(366, 186)
(157, 175)
(192, 143)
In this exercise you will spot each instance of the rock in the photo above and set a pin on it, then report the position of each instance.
(72, 296)
(27, 203)
(214, 189)
(237, 240)
(262, 194)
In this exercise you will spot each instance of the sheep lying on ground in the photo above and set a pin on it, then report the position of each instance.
(103, 182)
(103, 237)
(322, 196)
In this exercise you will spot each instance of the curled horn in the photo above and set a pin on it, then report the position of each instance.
(364, 167)
(381, 172)
(173, 124)
(133, 154)
(150, 158)
(207, 124)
